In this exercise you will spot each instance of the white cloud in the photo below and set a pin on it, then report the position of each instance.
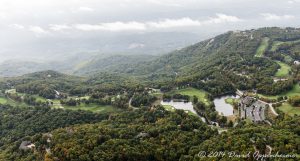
(188, 22)
(166, 23)
(164, 3)
(271, 16)
(55, 27)
(119, 26)
(114, 26)
(17, 26)
(37, 30)
(293, 1)
(85, 9)
(222, 18)
(3, 15)
(136, 45)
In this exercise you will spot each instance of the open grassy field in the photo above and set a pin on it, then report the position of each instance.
(290, 110)
(262, 47)
(294, 92)
(276, 44)
(39, 98)
(201, 94)
(283, 71)
(172, 109)
(231, 101)
(3, 100)
(93, 108)
(11, 102)
(169, 108)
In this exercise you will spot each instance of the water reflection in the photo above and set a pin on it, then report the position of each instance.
(187, 106)
(222, 107)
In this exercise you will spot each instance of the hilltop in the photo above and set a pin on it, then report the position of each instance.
(234, 60)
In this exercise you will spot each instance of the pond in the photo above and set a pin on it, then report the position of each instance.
(187, 106)
(222, 107)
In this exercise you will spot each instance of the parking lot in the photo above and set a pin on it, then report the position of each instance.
(252, 109)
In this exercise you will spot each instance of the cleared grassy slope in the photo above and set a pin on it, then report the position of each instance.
(289, 109)
(201, 94)
(262, 47)
(283, 71)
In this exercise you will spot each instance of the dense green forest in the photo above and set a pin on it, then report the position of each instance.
(156, 134)
(17, 124)
(125, 119)
(219, 65)
(33, 120)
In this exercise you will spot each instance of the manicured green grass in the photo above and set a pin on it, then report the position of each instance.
(275, 45)
(39, 98)
(262, 47)
(169, 108)
(94, 108)
(3, 100)
(83, 97)
(11, 102)
(231, 101)
(294, 92)
(248, 121)
(283, 71)
(201, 94)
(172, 109)
(289, 109)
(268, 96)
(157, 94)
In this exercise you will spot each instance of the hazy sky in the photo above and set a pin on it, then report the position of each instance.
(28, 22)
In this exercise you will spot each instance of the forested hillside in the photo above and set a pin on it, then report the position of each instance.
(138, 135)
(234, 60)
(17, 124)
(42, 83)
(112, 63)
(43, 115)
(156, 134)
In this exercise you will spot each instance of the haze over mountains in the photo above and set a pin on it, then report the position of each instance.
(69, 55)
(219, 65)
(150, 80)
(54, 34)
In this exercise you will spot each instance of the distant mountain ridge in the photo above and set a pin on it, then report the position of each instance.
(233, 60)
(69, 55)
